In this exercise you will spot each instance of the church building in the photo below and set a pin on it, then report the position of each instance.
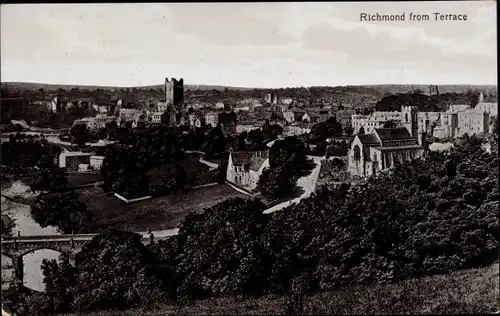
(383, 147)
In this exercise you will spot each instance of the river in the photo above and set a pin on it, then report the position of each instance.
(25, 225)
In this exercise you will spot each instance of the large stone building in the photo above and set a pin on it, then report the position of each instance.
(70, 160)
(174, 93)
(380, 150)
(97, 122)
(428, 120)
(374, 120)
(489, 107)
(471, 122)
(245, 167)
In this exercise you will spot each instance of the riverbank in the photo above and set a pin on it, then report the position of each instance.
(472, 291)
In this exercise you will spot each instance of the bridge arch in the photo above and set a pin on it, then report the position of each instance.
(61, 250)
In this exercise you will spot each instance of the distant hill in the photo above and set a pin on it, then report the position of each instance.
(376, 90)
(397, 88)
(52, 87)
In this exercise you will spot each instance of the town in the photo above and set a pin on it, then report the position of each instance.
(249, 158)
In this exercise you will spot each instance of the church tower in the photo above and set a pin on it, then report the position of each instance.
(409, 117)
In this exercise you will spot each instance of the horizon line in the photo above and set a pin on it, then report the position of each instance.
(248, 87)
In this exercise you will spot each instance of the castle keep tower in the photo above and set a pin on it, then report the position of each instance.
(174, 93)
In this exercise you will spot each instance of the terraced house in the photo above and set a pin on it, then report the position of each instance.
(245, 167)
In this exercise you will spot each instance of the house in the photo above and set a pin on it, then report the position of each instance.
(341, 139)
(139, 120)
(245, 167)
(306, 118)
(96, 162)
(297, 128)
(93, 123)
(380, 150)
(344, 117)
(71, 160)
(374, 120)
(242, 108)
(127, 115)
(198, 122)
(157, 117)
(240, 128)
(286, 100)
(294, 115)
(212, 119)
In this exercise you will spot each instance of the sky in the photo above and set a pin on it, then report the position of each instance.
(264, 45)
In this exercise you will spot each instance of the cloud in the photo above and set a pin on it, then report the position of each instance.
(252, 44)
(229, 24)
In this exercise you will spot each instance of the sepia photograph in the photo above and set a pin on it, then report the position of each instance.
(249, 158)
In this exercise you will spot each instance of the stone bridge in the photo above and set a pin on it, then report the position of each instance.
(17, 247)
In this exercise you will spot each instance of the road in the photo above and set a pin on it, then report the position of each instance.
(307, 183)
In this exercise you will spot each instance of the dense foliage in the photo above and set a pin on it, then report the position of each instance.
(49, 179)
(62, 210)
(125, 167)
(22, 154)
(323, 130)
(116, 271)
(434, 215)
(425, 103)
(287, 163)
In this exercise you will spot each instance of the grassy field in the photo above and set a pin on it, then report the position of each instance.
(80, 178)
(468, 291)
(157, 213)
(198, 172)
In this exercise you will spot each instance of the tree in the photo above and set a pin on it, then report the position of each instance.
(229, 232)
(79, 134)
(60, 279)
(287, 162)
(127, 274)
(222, 170)
(337, 164)
(215, 143)
(390, 124)
(255, 140)
(62, 210)
(7, 227)
(49, 179)
(348, 130)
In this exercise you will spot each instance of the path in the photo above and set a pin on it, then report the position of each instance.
(307, 183)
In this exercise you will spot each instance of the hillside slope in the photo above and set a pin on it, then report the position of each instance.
(466, 291)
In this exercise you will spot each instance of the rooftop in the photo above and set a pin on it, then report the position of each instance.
(241, 157)
(368, 139)
(257, 163)
(398, 133)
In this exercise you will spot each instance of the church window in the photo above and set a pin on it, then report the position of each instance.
(406, 117)
(357, 153)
